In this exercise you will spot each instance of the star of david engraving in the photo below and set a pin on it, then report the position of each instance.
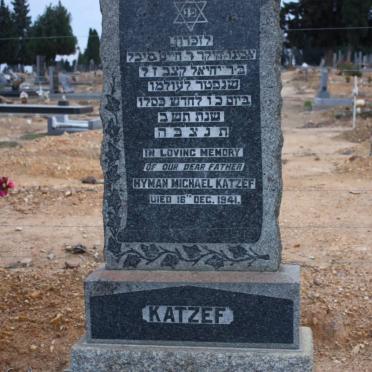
(190, 13)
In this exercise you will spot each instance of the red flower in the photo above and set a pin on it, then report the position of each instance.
(5, 185)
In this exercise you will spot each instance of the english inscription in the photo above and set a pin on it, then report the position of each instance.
(192, 124)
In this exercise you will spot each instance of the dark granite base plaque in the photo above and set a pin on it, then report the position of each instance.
(246, 309)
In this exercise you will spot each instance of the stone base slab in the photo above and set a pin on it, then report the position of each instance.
(88, 357)
(230, 309)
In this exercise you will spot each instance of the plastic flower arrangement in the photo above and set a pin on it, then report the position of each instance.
(5, 185)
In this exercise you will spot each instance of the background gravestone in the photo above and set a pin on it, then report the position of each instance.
(65, 81)
(53, 80)
(191, 155)
(40, 70)
(323, 91)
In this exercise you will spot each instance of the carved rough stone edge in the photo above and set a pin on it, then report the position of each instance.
(272, 138)
(113, 156)
(127, 256)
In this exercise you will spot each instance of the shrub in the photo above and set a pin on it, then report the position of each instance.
(308, 105)
(349, 69)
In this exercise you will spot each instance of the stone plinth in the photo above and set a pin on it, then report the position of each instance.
(118, 358)
(235, 309)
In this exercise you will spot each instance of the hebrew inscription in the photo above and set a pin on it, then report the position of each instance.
(192, 125)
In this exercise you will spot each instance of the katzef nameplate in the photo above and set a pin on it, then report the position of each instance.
(192, 136)
(191, 314)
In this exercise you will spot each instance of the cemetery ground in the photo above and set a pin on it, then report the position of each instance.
(51, 231)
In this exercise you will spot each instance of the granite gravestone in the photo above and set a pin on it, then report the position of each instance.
(53, 80)
(65, 81)
(323, 91)
(193, 138)
(40, 70)
(191, 156)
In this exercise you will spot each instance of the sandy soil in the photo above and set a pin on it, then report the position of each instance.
(326, 224)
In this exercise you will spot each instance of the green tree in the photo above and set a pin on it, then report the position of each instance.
(53, 33)
(355, 14)
(307, 14)
(335, 15)
(92, 52)
(81, 60)
(22, 26)
(66, 65)
(7, 32)
(368, 37)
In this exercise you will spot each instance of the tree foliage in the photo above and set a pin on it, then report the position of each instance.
(15, 27)
(6, 31)
(21, 17)
(82, 60)
(355, 13)
(92, 52)
(22, 27)
(54, 28)
(335, 16)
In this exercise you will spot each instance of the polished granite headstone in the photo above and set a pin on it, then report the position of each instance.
(192, 136)
(323, 91)
(40, 70)
(192, 161)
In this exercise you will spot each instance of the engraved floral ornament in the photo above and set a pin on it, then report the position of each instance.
(190, 254)
(110, 162)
